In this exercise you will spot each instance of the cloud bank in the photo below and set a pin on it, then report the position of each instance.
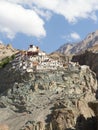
(28, 16)
(14, 18)
(72, 10)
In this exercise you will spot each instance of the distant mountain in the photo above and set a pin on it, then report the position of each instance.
(76, 48)
(6, 50)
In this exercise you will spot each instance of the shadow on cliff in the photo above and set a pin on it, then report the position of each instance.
(81, 123)
(86, 124)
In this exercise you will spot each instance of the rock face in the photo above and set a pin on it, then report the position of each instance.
(66, 48)
(58, 56)
(4, 127)
(6, 50)
(89, 58)
(76, 48)
(49, 100)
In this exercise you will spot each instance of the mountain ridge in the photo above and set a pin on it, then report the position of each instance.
(79, 47)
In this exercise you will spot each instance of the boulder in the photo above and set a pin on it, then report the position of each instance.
(4, 127)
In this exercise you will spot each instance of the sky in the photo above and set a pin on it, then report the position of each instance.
(46, 23)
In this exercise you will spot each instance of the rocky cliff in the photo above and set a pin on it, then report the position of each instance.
(76, 48)
(90, 58)
(49, 100)
(6, 50)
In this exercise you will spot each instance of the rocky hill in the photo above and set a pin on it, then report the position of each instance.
(94, 49)
(6, 50)
(89, 57)
(76, 48)
(58, 56)
(48, 100)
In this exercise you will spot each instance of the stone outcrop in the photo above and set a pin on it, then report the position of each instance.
(62, 119)
(6, 50)
(56, 98)
(73, 82)
(4, 127)
(31, 125)
(89, 58)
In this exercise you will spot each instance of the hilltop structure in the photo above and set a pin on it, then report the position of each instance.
(63, 99)
(34, 59)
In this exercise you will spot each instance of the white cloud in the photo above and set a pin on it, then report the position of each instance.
(45, 14)
(26, 16)
(72, 10)
(75, 36)
(14, 18)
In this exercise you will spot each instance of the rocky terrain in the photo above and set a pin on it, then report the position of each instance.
(49, 100)
(61, 99)
(94, 49)
(6, 50)
(58, 56)
(89, 57)
(76, 48)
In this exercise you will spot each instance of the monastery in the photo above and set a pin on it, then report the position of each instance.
(34, 60)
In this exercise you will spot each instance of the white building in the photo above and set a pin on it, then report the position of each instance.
(34, 59)
(32, 48)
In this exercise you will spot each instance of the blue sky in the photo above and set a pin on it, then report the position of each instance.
(47, 24)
